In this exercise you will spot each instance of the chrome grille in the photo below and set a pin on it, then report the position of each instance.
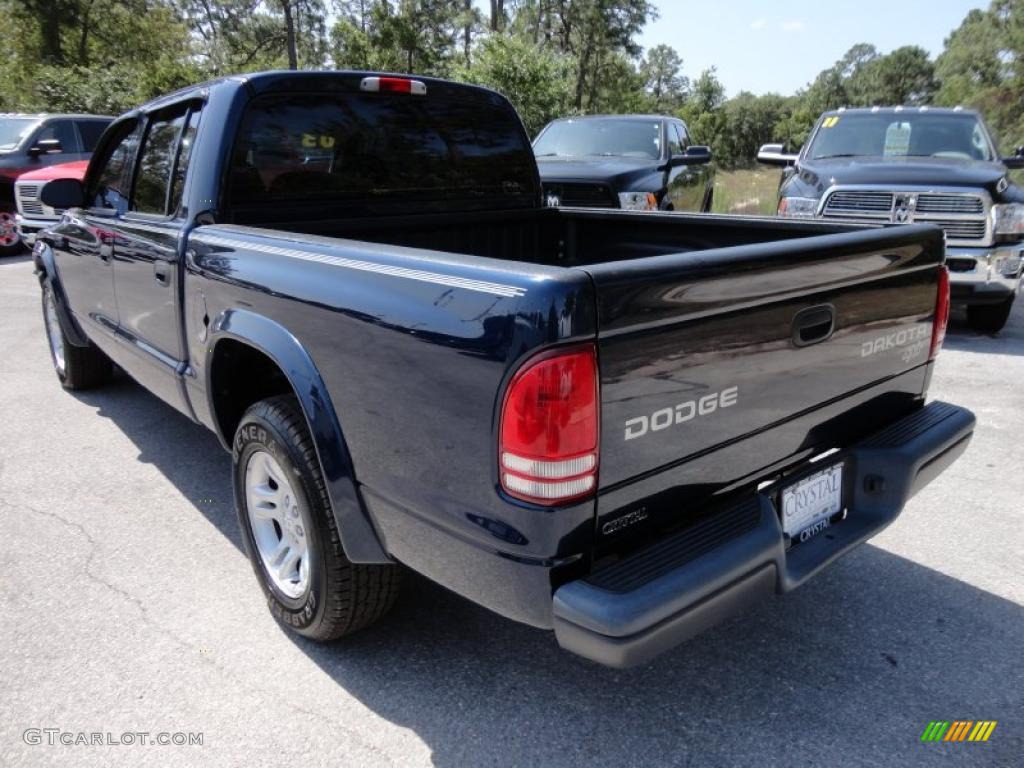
(959, 229)
(581, 195)
(938, 203)
(859, 203)
(962, 215)
(29, 203)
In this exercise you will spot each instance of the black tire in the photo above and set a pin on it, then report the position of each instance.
(83, 367)
(341, 597)
(989, 318)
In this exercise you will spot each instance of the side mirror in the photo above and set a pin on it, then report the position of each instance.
(696, 154)
(45, 147)
(775, 154)
(1016, 160)
(63, 194)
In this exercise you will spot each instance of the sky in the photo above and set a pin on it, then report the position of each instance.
(763, 46)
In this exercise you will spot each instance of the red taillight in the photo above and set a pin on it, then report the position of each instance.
(393, 85)
(547, 451)
(941, 313)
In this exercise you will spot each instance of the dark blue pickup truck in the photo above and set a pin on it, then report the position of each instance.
(622, 426)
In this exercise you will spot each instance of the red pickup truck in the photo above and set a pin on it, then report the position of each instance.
(33, 214)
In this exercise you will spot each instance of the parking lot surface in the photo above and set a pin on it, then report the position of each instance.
(127, 606)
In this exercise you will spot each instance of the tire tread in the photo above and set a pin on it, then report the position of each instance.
(358, 594)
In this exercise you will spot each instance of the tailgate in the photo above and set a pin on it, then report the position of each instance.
(700, 350)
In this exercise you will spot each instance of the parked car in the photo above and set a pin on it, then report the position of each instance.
(33, 215)
(636, 162)
(922, 164)
(29, 142)
(620, 426)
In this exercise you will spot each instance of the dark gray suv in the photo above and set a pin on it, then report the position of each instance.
(28, 142)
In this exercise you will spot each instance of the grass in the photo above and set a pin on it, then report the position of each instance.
(746, 192)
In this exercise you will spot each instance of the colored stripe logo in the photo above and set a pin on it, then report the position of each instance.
(958, 730)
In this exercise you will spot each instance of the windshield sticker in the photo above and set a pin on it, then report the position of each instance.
(830, 122)
(897, 139)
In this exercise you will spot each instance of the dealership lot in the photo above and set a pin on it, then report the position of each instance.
(128, 606)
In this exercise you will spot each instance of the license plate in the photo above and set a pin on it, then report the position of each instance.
(808, 504)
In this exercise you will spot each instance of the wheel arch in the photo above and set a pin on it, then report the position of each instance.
(46, 271)
(251, 357)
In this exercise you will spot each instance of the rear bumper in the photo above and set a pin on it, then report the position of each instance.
(984, 275)
(633, 610)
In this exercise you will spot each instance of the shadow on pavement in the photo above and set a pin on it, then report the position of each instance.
(187, 454)
(851, 667)
(1009, 341)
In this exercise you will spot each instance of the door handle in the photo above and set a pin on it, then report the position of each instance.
(162, 271)
(813, 325)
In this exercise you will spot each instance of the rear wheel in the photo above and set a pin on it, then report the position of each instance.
(76, 367)
(989, 318)
(290, 533)
(10, 240)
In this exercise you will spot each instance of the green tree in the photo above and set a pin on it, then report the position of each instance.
(663, 80)
(904, 77)
(982, 66)
(99, 55)
(703, 111)
(416, 36)
(537, 81)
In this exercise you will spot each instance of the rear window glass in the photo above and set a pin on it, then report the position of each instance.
(302, 147)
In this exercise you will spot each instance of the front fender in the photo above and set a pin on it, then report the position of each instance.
(46, 271)
(357, 533)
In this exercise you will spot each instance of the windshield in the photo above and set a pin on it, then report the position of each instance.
(901, 135)
(612, 138)
(13, 130)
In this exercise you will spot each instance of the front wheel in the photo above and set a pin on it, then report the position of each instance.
(76, 367)
(10, 240)
(290, 533)
(989, 318)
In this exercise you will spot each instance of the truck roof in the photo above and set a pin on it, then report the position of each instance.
(48, 115)
(896, 110)
(288, 79)
(636, 116)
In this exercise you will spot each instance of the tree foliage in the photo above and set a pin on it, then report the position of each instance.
(537, 82)
(551, 57)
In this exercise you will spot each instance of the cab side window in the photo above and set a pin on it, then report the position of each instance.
(674, 144)
(684, 135)
(163, 161)
(63, 131)
(90, 131)
(108, 189)
(188, 140)
(153, 179)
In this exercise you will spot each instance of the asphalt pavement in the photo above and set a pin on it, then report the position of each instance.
(127, 606)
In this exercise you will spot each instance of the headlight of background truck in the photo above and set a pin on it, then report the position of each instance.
(1008, 219)
(798, 207)
(638, 201)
